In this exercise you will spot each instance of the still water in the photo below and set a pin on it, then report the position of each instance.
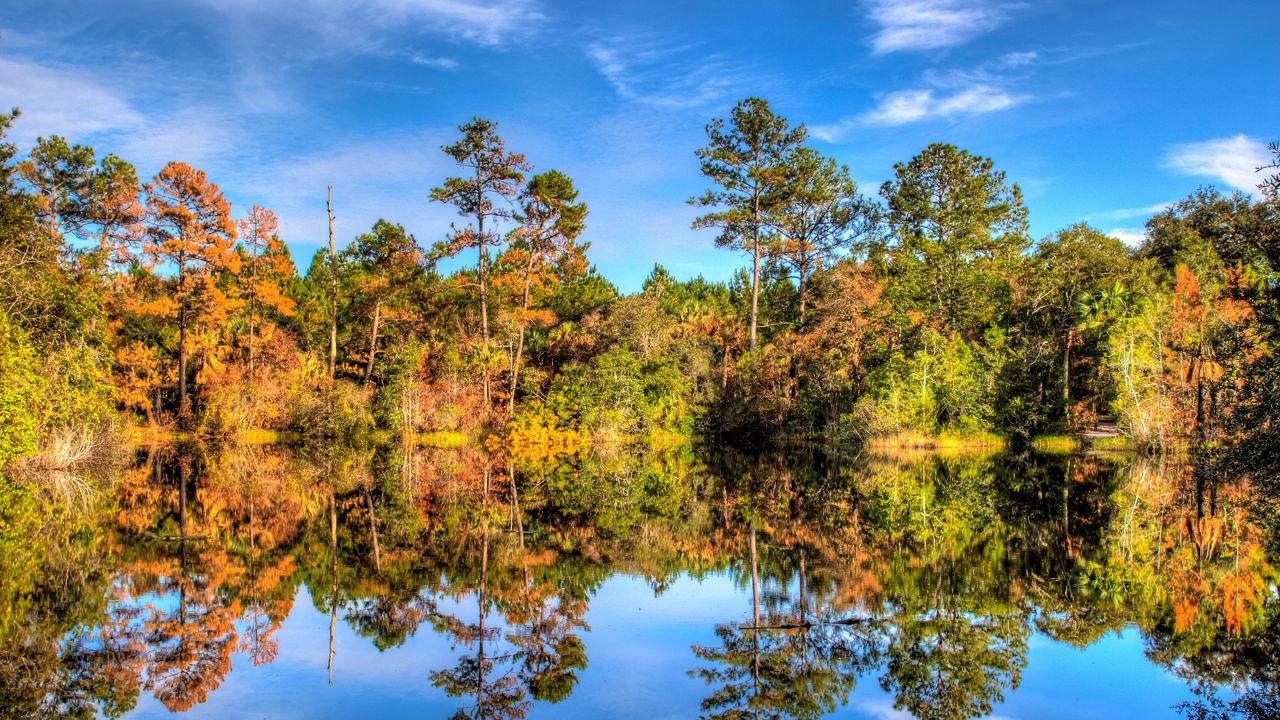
(270, 582)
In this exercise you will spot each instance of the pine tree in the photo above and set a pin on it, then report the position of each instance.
(748, 160)
(189, 227)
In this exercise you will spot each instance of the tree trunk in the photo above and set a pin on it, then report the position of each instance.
(800, 290)
(333, 575)
(724, 368)
(515, 365)
(1066, 371)
(182, 338)
(484, 294)
(373, 341)
(484, 290)
(333, 296)
(515, 372)
(480, 597)
(755, 613)
(373, 531)
(755, 273)
(251, 344)
(182, 359)
(253, 295)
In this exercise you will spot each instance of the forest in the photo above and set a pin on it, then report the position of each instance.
(891, 395)
(925, 315)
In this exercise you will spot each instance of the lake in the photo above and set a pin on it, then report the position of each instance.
(277, 582)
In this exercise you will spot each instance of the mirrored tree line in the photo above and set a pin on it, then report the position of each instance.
(913, 572)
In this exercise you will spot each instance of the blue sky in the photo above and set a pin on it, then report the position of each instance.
(1101, 111)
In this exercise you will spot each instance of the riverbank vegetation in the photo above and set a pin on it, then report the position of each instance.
(925, 312)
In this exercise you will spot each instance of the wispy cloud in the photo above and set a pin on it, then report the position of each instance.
(944, 94)
(664, 75)
(913, 25)
(85, 108)
(1014, 59)
(357, 24)
(882, 709)
(488, 22)
(1135, 212)
(204, 136)
(440, 63)
(64, 101)
(918, 105)
(908, 106)
(1230, 160)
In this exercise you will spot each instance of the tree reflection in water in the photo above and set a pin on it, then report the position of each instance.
(925, 574)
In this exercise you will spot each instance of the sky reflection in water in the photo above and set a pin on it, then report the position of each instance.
(639, 656)
(1069, 587)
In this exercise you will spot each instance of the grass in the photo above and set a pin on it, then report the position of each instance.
(1056, 444)
(152, 435)
(949, 442)
(976, 439)
(1118, 443)
(441, 439)
(65, 462)
(258, 436)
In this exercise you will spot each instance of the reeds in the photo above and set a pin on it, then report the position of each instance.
(62, 465)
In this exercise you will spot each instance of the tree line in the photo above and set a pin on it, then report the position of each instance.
(203, 551)
(928, 311)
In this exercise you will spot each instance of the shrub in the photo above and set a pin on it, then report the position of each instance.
(22, 392)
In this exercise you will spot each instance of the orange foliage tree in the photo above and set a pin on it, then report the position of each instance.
(190, 227)
(269, 267)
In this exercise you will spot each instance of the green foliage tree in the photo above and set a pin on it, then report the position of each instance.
(822, 216)
(495, 176)
(959, 232)
(62, 178)
(551, 219)
(385, 262)
(1054, 379)
(747, 158)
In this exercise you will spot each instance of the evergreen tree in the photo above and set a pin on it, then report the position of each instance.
(747, 159)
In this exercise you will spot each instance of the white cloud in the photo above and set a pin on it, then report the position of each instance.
(907, 25)
(662, 75)
(947, 94)
(1231, 160)
(977, 100)
(488, 22)
(901, 107)
(363, 24)
(1126, 213)
(58, 101)
(1130, 236)
(440, 63)
(833, 132)
(882, 709)
(908, 106)
(1015, 59)
(204, 137)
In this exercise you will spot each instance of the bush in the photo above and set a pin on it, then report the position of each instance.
(22, 392)
(320, 409)
(616, 396)
(945, 385)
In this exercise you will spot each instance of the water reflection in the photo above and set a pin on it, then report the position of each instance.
(923, 578)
